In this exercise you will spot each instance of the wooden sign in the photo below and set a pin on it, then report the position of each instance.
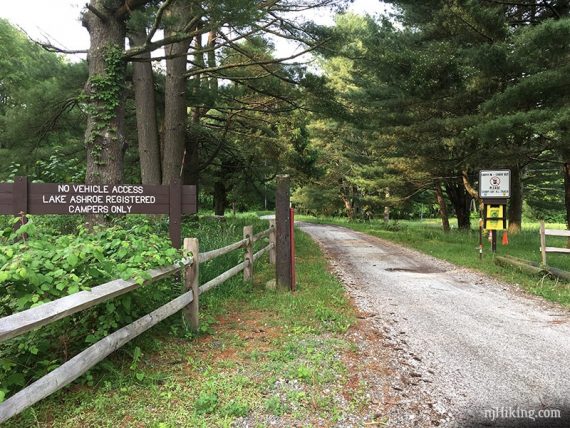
(22, 197)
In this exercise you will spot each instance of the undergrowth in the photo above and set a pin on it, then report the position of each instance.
(51, 257)
(262, 356)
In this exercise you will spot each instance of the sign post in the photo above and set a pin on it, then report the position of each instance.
(495, 190)
(21, 198)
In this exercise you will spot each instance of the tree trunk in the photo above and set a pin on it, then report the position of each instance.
(192, 144)
(175, 114)
(348, 207)
(386, 207)
(460, 200)
(213, 80)
(148, 142)
(104, 95)
(442, 207)
(192, 154)
(516, 200)
(219, 198)
(471, 190)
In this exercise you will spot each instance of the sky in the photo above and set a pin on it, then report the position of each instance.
(58, 20)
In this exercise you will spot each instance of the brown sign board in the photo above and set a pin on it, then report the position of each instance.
(22, 197)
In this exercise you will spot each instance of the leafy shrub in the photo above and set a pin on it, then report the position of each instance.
(52, 263)
(45, 267)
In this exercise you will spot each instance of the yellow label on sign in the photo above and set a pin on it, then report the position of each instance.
(495, 217)
(494, 224)
(494, 211)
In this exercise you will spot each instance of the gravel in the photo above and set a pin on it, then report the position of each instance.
(465, 350)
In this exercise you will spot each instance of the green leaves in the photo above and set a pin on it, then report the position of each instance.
(46, 267)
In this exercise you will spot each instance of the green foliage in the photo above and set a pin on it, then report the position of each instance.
(44, 267)
(38, 93)
(59, 168)
(269, 354)
(60, 257)
(454, 88)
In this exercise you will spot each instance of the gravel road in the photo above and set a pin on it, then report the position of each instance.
(466, 350)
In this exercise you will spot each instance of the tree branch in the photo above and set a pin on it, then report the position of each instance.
(96, 12)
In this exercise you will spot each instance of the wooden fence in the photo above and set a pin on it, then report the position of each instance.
(551, 232)
(22, 322)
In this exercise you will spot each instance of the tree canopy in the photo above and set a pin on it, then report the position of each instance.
(403, 112)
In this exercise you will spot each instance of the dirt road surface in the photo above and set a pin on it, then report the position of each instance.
(466, 350)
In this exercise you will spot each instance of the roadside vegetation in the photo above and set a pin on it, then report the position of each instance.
(461, 247)
(261, 356)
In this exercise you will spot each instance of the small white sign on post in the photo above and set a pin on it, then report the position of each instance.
(495, 184)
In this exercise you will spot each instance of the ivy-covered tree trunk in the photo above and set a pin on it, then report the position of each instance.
(145, 101)
(104, 94)
(516, 200)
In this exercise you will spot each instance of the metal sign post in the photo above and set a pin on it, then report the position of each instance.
(495, 190)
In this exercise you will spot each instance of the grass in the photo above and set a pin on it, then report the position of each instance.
(263, 356)
(462, 248)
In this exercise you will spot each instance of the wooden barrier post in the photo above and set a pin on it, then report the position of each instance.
(175, 213)
(543, 242)
(20, 201)
(283, 231)
(272, 240)
(292, 244)
(192, 282)
(248, 258)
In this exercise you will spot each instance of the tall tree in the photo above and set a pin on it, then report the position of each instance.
(145, 104)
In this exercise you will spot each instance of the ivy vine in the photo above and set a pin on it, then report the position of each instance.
(104, 96)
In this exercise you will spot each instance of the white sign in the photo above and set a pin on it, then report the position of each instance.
(495, 184)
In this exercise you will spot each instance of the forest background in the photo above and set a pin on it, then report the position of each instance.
(390, 114)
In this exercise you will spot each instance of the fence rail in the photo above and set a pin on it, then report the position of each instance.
(188, 302)
(25, 321)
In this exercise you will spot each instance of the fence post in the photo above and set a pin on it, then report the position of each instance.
(20, 201)
(248, 271)
(192, 282)
(283, 231)
(272, 240)
(175, 212)
(543, 242)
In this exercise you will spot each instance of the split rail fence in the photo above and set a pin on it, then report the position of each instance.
(25, 321)
(551, 232)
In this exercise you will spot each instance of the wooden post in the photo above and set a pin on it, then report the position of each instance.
(543, 242)
(175, 213)
(292, 244)
(192, 282)
(283, 231)
(272, 240)
(248, 271)
(20, 201)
